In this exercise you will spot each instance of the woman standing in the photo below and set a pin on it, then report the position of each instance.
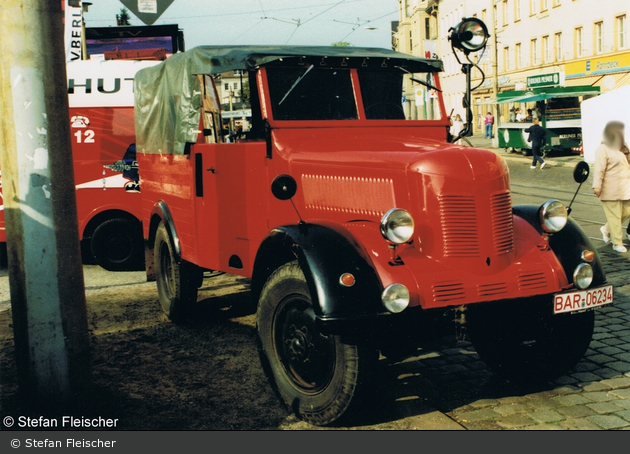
(611, 183)
(456, 128)
(488, 121)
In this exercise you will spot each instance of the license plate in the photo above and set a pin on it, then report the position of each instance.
(582, 299)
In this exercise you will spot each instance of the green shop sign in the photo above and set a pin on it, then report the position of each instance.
(546, 80)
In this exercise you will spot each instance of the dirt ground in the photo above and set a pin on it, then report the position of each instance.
(152, 374)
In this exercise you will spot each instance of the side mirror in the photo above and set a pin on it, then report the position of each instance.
(283, 187)
(581, 172)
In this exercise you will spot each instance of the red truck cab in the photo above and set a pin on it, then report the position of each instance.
(361, 227)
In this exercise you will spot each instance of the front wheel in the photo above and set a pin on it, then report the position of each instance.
(317, 376)
(529, 343)
(177, 280)
(117, 245)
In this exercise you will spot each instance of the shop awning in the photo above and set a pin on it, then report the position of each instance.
(607, 82)
(542, 94)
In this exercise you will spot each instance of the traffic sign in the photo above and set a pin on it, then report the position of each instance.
(546, 80)
(148, 11)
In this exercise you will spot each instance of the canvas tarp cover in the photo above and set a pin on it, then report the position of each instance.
(168, 98)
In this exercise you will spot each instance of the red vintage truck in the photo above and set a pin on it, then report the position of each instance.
(362, 228)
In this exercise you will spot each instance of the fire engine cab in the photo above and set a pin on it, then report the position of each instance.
(362, 228)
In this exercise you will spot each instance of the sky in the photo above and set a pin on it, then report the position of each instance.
(297, 22)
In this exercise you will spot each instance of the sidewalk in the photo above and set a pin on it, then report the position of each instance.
(479, 141)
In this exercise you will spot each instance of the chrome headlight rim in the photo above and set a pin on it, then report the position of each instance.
(553, 216)
(583, 276)
(397, 226)
(395, 298)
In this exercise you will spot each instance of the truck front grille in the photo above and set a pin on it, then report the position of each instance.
(459, 226)
(502, 222)
(461, 229)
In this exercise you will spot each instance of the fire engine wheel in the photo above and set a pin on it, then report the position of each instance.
(177, 281)
(117, 245)
(522, 347)
(317, 376)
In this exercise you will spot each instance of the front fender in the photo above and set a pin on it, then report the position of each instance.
(568, 244)
(324, 253)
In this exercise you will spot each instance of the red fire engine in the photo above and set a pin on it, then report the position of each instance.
(361, 227)
(100, 95)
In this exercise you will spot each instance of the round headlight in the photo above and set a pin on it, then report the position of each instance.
(583, 276)
(395, 298)
(553, 216)
(397, 226)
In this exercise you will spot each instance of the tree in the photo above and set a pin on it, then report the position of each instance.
(342, 44)
(123, 17)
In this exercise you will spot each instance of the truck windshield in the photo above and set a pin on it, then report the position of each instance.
(312, 93)
(317, 94)
(393, 95)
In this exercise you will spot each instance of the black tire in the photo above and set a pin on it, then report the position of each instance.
(177, 281)
(318, 377)
(526, 151)
(529, 344)
(117, 245)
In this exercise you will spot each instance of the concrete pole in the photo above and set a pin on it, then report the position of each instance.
(45, 271)
(495, 71)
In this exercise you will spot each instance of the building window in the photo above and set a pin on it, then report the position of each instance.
(517, 56)
(410, 41)
(556, 2)
(544, 5)
(506, 59)
(621, 32)
(517, 10)
(483, 15)
(235, 85)
(558, 42)
(532, 7)
(427, 28)
(226, 86)
(505, 12)
(599, 37)
(546, 50)
(578, 42)
(533, 52)
(496, 18)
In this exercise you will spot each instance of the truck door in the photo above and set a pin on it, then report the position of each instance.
(230, 193)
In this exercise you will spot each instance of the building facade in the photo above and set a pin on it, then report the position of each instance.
(586, 41)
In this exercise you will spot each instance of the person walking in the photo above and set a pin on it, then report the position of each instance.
(488, 122)
(611, 183)
(537, 137)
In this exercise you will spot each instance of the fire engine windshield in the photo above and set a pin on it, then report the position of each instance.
(394, 95)
(311, 93)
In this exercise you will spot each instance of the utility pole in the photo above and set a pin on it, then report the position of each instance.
(495, 65)
(44, 260)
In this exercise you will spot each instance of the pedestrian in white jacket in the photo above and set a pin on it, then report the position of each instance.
(611, 183)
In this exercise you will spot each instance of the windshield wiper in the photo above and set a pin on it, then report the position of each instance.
(421, 82)
(295, 84)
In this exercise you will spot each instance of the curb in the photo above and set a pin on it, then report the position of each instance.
(521, 158)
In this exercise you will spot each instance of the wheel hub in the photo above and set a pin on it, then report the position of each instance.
(298, 344)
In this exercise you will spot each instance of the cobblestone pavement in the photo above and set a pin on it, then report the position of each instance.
(594, 395)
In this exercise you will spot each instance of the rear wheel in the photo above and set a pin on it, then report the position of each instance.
(117, 245)
(529, 344)
(177, 280)
(318, 376)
